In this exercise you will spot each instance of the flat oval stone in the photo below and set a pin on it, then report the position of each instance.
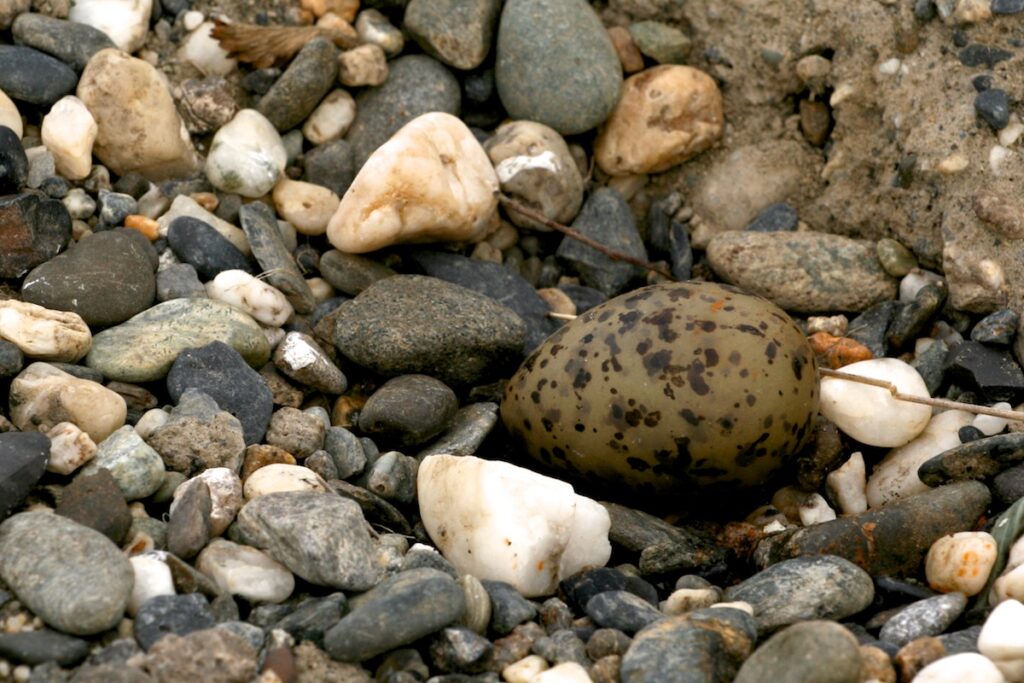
(556, 64)
(32, 230)
(43, 645)
(199, 244)
(106, 278)
(69, 41)
(928, 617)
(33, 76)
(301, 87)
(144, 348)
(980, 459)
(23, 458)
(74, 578)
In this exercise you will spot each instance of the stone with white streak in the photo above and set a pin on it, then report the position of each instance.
(152, 578)
(847, 485)
(69, 131)
(264, 303)
(70, 448)
(500, 522)
(961, 562)
(42, 396)
(225, 497)
(246, 572)
(331, 118)
(535, 168)
(279, 478)
(246, 156)
(431, 182)
(301, 358)
(870, 414)
(42, 333)
(307, 206)
(124, 21)
(566, 672)
(204, 52)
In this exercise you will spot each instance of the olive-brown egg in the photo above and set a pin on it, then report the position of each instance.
(677, 388)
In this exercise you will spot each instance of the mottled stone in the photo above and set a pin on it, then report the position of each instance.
(303, 84)
(819, 651)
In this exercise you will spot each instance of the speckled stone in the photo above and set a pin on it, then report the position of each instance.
(301, 87)
(198, 436)
(928, 617)
(32, 76)
(136, 467)
(213, 655)
(977, 459)
(166, 614)
(621, 610)
(556, 64)
(144, 348)
(71, 42)
(819, 651)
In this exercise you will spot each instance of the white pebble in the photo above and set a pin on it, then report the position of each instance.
(192, 19)
(567, 672)
(990, 425)
(966, 667)
(42, 333)
(246, 572)
(997, 156)
(225, 497)
(1009, 586)
(688, 599)
(848, 485)
(913, 281)
(1009, 135)
(280, 477)
(151, 420)
(246, 156)
(321, 288)
(152, 578)
(263, 302)
(69, 131)
(307, 206)
(1002, 636)
(815, 510)
(70, 448)
(525, 670)
(373, 27)
(500, 522)
(961, 562)
(203, 51)
(870, 414)
(331, 118)
(124, 21)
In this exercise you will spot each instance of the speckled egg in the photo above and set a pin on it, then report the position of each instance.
(683, 388)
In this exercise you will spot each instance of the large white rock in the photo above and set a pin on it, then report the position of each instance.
(501, 522)
(124, 21)
(896, 475)
(254, 296)
(204, 52)
(43, 333)
(246, 156)
(42, 396)
(69, 131)
(966, 667)
(870, 414)
(431, 182)
(246, 572)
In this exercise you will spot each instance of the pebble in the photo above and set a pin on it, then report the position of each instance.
(122, 288)
(178, 281)
(42, 333)
(225, 497)
(373, 27)
(895, 258)
(621, 610)
(980, 459)
(661, 42)
(222, 373)
(313, 616)
(928, 617)
(395, 327)
(94, 500)
(777, 217)
(246, 155)
(276, 478)
(23, 460)
(68, 131)
(416, 84)
(246, 572)
(998, 328)
(400, 610)
(42, 646)
(451, 183)
(331, 118)
(967, 667)
(14, 165)
(274, 256)
(912, 318)
(139, 128)
(556, 65)
(991, 372)
(301, 358)
(408, 410)
(71, 42)
(199, 435)
(164, 615)
(298, 432)
(363, 65)
(808, 651)
(42, 226)
(43, 396)
(286, 525)
(302, 85)
(459, 33)
(605, 218)
(70, 448)
(804, 272)
(993, 106)
(144, 348)
(306, 206)
(247, 293)
(75, 579)
(506, 534)
(152, 578)
(34, 77)
(215, 655)
(1007, 6)
(137, 469)
(188, 528)
(666, 115)
(508, 608)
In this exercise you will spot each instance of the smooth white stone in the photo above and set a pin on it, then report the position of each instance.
(506, 523)
(961, 562)
(42, 396)
(373, 27)
(246, 572)
(192, 19)
(10, 116)
(1002, 636)
(913, 281)
(246, 156)
(280, 477)
(815, 510)
(567, 672)
(741, 605)
(307, 206)
(225, 496)
(1009, 586)
(124, 21)
(321, 288)
(263, 302)
(79, 204)
(870, 414)
(183, 205)
(202, 51)
(525, 670)
(1016, 556)
(990, 425)
(966, 667)
(331, 118)
(70, 448)
(152, 578)
(151, 421)
(688, 599)
(896, 475)
(69, 131)
(431, 182)
(42, 333)
(848, 484)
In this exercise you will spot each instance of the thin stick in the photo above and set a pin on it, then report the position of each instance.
(935, 402)
(562, 316)
(580, 237)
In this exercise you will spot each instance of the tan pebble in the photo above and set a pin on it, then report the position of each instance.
(504, 237)
(954, 163)
(629, 54)
(835, 325)
(279, 478)
(688, 599)
(525, 670)
(837, 352)
(321, 288)
(80, 230)
(147, 226)
(557, 300)
(9, 115)
(815, 121)
(70, 448)
(42, 396)
(628, 185)
(346, 9)
(916, 655)
(877, 666)
(477, 614)
(44, 334)
(207, 200)
(485, 251)
(346, 410)
(972, 11)
(306, 206)
(365, 65)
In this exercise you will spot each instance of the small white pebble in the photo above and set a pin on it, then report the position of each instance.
(890, 67)
(321, 288)
(966, 667)
(280, 477)
(842, 92)
(815, 510)
(525, 670)
(774, 527)
(192, 19)
(954, 163)
(1002, 636)
(990, 425)
(997, 156)
(688, 599)
(22, 673)
(961, 562)
(914, 281)
(567, 672)
(152, 578)
(254, 296)
(848, 485)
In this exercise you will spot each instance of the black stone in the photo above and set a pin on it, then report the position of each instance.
(11, 359)
(997, 328)
(260, 81)
(35, 77)
(508, 607)
(992, 373)
(23, 458)
(44, 645)
(931, 365)
(1008, 485)
(993, 106)
(269, 250)
(69, 41)
(982, 82)
(580, 588)
(983, 55)
(1007, 6)
(32, 231)
(584, 297)
(911, 319)
(13, 162)
(55, 187)
(924, 10)
(979, 459)
(197, 243)
(969, 433)
(96, 501)
(300, 88)
(960, 37)
(478, 86)
(780, 217)
(869, 327)
(220, 372)
(179, 614)
(621, 610)
(669, 237)
(313, 616)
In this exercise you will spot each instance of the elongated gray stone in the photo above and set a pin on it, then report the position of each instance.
(275, 260)
(69, 41)
(143, 348)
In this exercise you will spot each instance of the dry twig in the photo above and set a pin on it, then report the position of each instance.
(261, 46)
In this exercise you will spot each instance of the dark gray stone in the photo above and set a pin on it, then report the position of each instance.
(997, 328)
(467, 432)
(928, 617)
(1007, 6)
(220, 372)
(993, 106)
(931, 365)
(32, 230)
(910, 320)
(301, 87)
(457, 32)
(352, 273)
(13, 162)
(35, 77)
(23, 459)
(178, 281)
(188, 528)
(12, 360)
(992, 373)
(416, 84)
(69, 41)
(177, 614)
(95, 500)
(961, 641)
(269, 250)
(560, 647)
(199, 244)
(508, 607)
(818, 651)
(621, 610)
(408, 410)
(346, 451)
(780, 217)
(44, 645)
(313, 616)
(607, 219)
(332, 165)
(114, 207)
(556, 64)
(978, 459)
(870, 326)
(106, 278)
(458, 649)
(392, 476)
(415, 324)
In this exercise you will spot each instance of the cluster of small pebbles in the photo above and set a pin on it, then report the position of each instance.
(303, 380)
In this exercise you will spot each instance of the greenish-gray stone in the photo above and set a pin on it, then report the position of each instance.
(143, 348)
(895, 258)
(136, 468)
(556, 64)
(457, 32)
(661, 42)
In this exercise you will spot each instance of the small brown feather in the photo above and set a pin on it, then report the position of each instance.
(262, 46)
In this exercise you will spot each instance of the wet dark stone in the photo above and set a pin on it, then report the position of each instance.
(23, 458)
(95, 500)
(311, 619)
(179, 614)
(621, 610)
(69, 41)
(197, 243)
(32, 230)
(508, 607)
(1008, 485)
(981, 82)
(13, 162)
(11, 359)
(993, 106)
(35, 77)
(997, 328)
(1007, 6)
(561, 646)
(670, 237)
(663, 548)
(983, 55)
(303, 84)
(992, 373)
(911, 318)
(352, 273)
(43, 645)
(931, 365)
(869, 327)
(780, 217)
(969, 433)
(979, 459)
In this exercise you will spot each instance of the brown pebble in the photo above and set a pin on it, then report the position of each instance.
(629, 54)
(346, 411)
(557, 300)
(606, 669)
(281, 663)
(876, 665)
(207, 200)
(282, 391)
(815, 121)
(259, 455)
(835, 352)
(916, 655)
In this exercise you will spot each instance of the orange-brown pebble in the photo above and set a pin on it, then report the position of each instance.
(207, 200)
(260, 455)
(835, 352)
(346, 9)
(144, 224)
(346, 410)
(876, 665)
(916, 655)
(629, 54)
